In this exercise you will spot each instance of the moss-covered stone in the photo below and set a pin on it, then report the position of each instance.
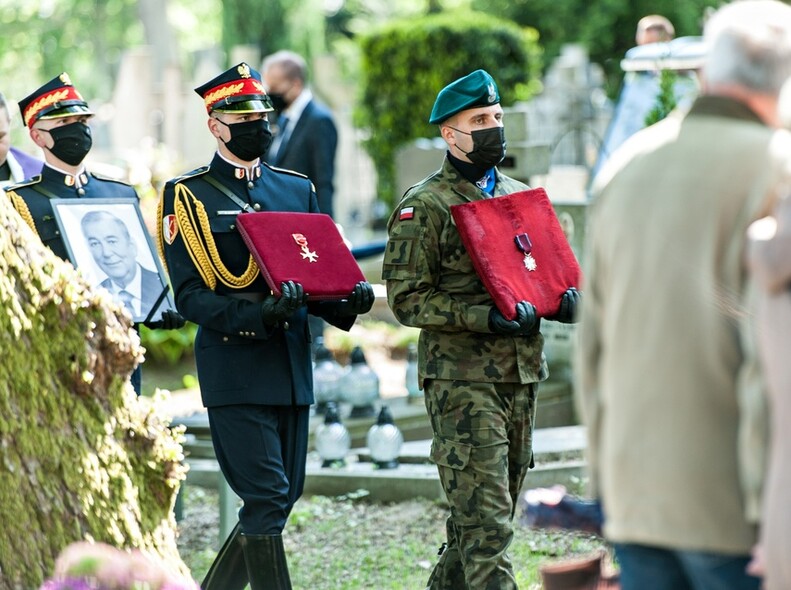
(81, 457)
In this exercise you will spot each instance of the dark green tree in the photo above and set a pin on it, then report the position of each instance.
(407, 62)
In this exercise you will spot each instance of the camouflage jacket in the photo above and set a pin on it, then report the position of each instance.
(432, 285)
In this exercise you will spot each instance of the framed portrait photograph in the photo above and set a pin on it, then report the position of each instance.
(107, 240)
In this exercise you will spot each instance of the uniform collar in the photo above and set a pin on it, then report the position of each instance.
(233, 171)
(65, 178)
(460, 184)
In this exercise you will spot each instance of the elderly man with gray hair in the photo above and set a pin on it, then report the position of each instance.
(668, 380)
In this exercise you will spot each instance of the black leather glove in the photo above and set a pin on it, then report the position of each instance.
(169, 320)
(569, 304)
(525, 323)
(275, 309)
(360, 301)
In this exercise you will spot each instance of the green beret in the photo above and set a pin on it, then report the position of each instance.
(473, 90)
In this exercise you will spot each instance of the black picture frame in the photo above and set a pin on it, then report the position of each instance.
(126, 264)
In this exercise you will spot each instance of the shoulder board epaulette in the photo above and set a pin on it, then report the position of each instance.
(28, 182)
(191, 174)
(284, 170)
(108, 178)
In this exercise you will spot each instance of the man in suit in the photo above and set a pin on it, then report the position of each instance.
(15, 165)
(57, 118)
(667, 375)
(115, 253)
(306, 138)
(252, 349)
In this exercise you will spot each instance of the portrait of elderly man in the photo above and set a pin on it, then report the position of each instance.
(116, 254)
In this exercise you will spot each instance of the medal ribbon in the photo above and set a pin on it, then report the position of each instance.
(523, 243)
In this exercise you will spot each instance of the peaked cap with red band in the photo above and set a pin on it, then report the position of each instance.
(236, 90)
(57, 98)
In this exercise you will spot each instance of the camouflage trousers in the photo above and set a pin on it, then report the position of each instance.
(482, 447)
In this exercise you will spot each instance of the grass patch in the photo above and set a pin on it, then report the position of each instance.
(348, 543)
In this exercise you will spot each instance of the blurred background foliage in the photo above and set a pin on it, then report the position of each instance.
(41, 38)
(397, 54)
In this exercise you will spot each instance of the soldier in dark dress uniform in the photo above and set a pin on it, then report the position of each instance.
(252, 349)
(57, 117)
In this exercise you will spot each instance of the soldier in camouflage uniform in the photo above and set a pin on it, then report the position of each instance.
(479, 371)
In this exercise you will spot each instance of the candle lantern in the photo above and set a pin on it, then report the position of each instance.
(384, 440)
(327, 375)
(332, 439)
(360, 385)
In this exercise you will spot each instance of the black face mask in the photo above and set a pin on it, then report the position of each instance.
(488, 146)
(72, 142)
(278, 102)
(249, 139)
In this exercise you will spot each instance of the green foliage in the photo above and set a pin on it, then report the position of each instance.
(407, 62)
(351, 543)
(253, 22)
(605, 27)
(665, 100)
(168, 347)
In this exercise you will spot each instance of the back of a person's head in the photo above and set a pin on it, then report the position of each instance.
(293, 64)
(749, 45)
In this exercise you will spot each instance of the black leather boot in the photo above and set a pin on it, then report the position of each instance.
(228, 572)
(266, 562)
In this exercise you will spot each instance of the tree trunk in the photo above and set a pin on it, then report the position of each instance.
(81, 457)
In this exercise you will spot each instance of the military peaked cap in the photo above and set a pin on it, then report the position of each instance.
(477, 89)
(57, 98)
(236, 90)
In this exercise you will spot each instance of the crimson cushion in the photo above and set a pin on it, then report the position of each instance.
(488, 229)
(302, 247)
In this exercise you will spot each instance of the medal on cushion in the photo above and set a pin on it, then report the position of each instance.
(526, 246)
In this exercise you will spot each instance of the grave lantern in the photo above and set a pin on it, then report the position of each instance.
(384, 440)
(332, 439)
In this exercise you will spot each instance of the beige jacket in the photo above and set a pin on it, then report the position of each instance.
(665, 369)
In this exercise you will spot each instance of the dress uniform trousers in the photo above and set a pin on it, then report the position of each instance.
(261, 451)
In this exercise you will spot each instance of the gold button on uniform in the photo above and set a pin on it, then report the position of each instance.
(286, 326)
(257, 206)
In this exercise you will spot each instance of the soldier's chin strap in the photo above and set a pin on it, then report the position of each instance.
(193, 224)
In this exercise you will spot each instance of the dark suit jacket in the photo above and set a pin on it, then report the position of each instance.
(151, 289)
(240, 360)
(310, 150)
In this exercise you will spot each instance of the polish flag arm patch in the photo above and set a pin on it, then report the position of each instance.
(406, 213)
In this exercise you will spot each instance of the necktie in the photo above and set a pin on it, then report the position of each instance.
(128, 300)
(282, 124)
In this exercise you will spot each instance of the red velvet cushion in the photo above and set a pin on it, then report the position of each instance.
(302, 247)
(488, 228)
